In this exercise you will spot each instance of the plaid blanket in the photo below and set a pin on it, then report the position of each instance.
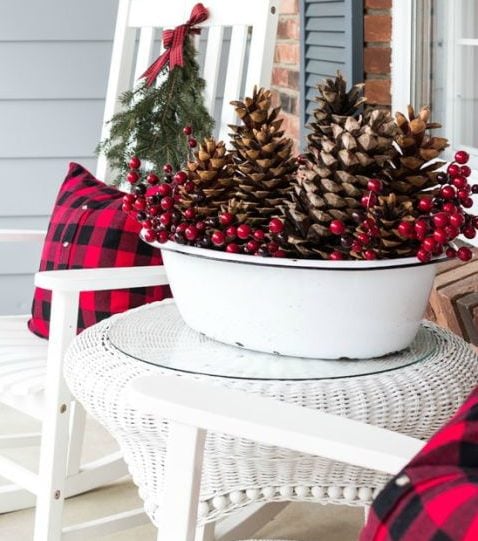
(435, 497)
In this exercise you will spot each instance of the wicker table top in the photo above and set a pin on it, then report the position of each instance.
(156, 334)
(413, 392)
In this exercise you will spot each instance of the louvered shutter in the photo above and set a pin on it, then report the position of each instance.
(331, 40)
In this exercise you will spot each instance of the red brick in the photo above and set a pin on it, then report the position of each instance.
(289, 6)
(292, 129)
(287, 53)
(377, 60)
(288, 28)
(378, 92)
(280, 76)
(377, 27)
(293, 80)
(378, 4)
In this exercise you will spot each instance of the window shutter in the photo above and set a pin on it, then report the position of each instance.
(331, 39)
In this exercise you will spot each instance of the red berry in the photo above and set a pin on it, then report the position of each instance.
(127, 207)
(449, 208)
(440, 236)
(337, 227)
(462, 195)
(129, 198)
(162, 236)
(272, 247)
(192, 143)
(450, 252)
(370, 255)
(357, 246)
(425, 204)
(453, 170)
(232, 248)
(187, 130)
(475, 222)
(474, 189)
(469, 232)
(374, 185)
(336, 256)
(369, 200)
(191, 233)
(140, 203)
(448, 192)
(200, 226)
(252, 246)
(421, 227)
(152, 179)
(301, 159)
(465, 170)
(457, 220)
(405, 229)
(226, 218)
(167, 203)
(467, 203)
(451, 232)
(459, 182)
(429, 244)
(134, 163)
(190, 213)
(461, 157)
(231, 232)
(441, 219)
(181, 228)
(166, 218)
(218, 238)
(244, 231)
(279, 253)
(164, 190)
(276, 226)
(464, 253)
(424, 256)
(167, 168)
(180, 177)
(259, 235)
(132, 177)
(363, 238)
(149, 235)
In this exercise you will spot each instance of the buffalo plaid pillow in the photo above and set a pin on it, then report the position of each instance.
(435, 497)
(88, 229)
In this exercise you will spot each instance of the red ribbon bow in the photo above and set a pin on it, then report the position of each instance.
(173, 41)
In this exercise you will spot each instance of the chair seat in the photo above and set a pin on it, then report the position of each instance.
(22, 366)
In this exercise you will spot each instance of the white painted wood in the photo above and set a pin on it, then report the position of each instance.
(211, 66)
(21, 476)
(178, 512)
(145, 49)
(76, 437)
(402, 25)
(273, 423)
(101, 279)
(26, 235)
(19, 440)
(54, 447)
(247, 521)
(119, 77)
(205, 532)
(14, 498)
(232, 90)
(105, 525)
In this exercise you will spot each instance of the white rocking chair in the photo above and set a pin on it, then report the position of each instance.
(194, 407)
(31, 379)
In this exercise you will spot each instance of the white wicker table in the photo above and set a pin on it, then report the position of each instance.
(414, 392)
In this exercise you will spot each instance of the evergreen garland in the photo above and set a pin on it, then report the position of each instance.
(152, 119)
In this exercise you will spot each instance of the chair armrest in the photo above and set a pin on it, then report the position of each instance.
(271, 422)
(75, 280)
(26, 235)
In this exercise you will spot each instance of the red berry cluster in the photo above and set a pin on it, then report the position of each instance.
(157, 207)
(443, 214)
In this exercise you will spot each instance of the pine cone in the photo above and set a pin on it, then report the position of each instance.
(211, 173)
(263, 160)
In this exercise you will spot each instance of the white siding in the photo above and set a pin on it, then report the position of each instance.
(54, 60)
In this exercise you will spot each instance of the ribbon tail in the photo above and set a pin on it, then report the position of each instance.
(153, 71)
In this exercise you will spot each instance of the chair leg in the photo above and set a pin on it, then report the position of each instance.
(205, 532)
(77, 433)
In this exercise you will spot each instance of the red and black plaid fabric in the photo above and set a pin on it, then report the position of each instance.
(435, 498)
(88, 229)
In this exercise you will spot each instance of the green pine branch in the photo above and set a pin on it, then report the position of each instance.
(151, 121)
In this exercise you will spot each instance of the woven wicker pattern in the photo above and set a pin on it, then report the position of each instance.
(416, 400)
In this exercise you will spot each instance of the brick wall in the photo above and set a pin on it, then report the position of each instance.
(377, 52)
(285, 73)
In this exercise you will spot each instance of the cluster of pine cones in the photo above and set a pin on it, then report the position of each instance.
(363, 177)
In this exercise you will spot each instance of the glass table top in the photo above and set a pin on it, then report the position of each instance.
(156, 334)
